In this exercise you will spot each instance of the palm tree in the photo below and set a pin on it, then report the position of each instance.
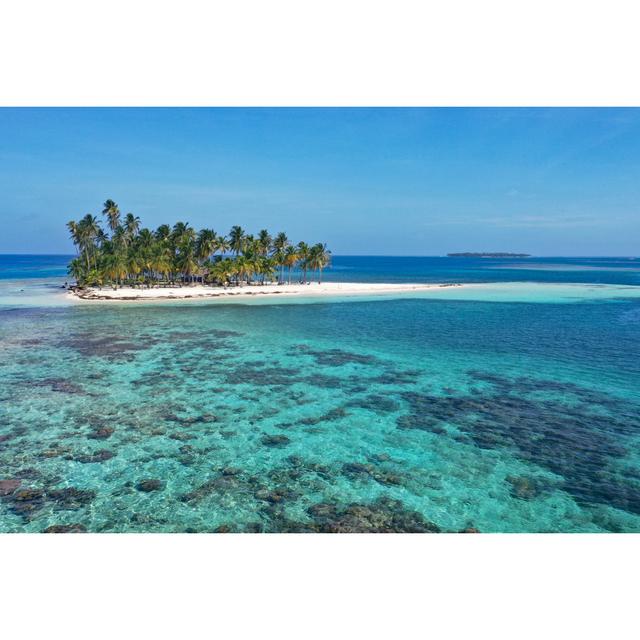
(135, 264)
(222, 245)
(95, 278)
(160, 259)
(264, 242)
(89, 231)
(78, 270)
(205, 244)
(142, 249)
(280, 243)
(74, 233)
(111, 212)
(119, 238)
(290, 258)
(145, 239)
(319, 258)
(131, 226)
(222, 270)
(186, 258)
(243, 268)
(115, 267)
(236, 239)
(303, 258)
(266, 268)
(179, 231)
(163, 232)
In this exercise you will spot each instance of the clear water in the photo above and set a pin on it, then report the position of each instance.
(512, 405)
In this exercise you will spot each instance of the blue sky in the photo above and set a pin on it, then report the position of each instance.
(366, 181)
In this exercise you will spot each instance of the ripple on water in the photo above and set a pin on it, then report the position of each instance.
(384, 416)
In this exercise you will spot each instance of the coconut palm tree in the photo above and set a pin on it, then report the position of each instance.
(236, 239)
(266, 268)
(291, 257)
(111, 212)
(243, 268)
(280, 243)
(89, 232)
(161, 260)
(222, 245)
(131, 227)
(74, 234)
(163, 232)
(205, 245)
(78, 270)
(135, 264)
(264, 242)
(303, 259)
(179, 231)
(319, 258)
(222, 271)
(186, 261)
(115, 267)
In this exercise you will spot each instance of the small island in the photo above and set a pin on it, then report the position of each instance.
(129, 262)
(499, 254)
(135, 257)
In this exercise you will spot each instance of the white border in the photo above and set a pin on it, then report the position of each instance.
(320, 52)
(319, 586)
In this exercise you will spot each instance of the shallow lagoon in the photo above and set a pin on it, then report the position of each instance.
(501, 406)
(497, 407)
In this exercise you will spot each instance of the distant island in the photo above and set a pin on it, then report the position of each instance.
(499, 254)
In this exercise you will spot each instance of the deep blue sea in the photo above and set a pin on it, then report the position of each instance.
(512, 405)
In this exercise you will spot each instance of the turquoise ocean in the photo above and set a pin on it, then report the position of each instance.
(510, 405)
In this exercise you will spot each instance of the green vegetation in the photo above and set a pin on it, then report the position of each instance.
(127, 254)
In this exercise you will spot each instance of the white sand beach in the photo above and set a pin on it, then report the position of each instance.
(199, 291)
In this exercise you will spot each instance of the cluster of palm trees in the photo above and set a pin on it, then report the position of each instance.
(130, 255)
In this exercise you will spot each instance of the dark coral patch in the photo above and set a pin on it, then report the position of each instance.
(527, 488)
(396, 377)
(324, 381)
(25, 502)
(575, 435)
(334, 357)
(101, 433)
(276, 496)
(70, 497)
(275, 441)
(113, 347)
(382, 516)
(365, 471)
(375, 402)
(261, 376)
(150, 484)
(7, 487)
(219, 485)
(99, 456)
(59, 385)
(66, 528)
(329, 416)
